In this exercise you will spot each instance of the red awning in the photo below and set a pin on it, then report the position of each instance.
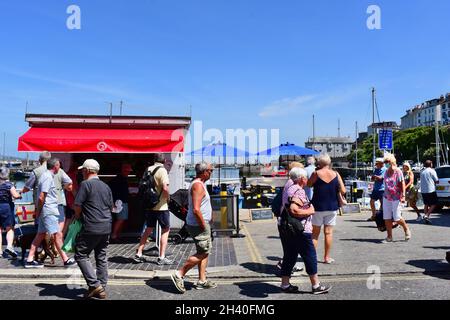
(73, 140)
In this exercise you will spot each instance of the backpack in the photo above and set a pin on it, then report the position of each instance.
(277, 203)
(147, 189)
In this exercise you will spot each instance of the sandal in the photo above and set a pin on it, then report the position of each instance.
(329, 261)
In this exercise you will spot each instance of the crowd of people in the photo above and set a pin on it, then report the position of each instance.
(310, 200)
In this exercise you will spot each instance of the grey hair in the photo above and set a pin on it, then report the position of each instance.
(311, 161)
(324, 160)
(44, 156)
(4, 173)
(201, 167)
(297, 173)
(159, 157)
(51, 163)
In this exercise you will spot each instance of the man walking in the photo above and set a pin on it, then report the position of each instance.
(93, 206)
(160, 213)
(311, 162)
(378, 187)
(198, 225)
(33, 181)
(47, 216)
(428, 180)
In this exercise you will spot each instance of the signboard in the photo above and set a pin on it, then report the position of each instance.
(351, 208)
(385, 139)
(384, 125)
(261, 214)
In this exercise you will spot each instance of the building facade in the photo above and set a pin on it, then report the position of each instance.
(424, 114)
(336, 147)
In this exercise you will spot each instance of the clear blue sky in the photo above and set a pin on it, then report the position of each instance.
(240, 64)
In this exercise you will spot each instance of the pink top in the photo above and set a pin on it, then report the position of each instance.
(392, 187)
(295, 191)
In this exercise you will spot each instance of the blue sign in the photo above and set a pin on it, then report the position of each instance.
(385, 139)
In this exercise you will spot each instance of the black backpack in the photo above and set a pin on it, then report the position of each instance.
(277, 203)
(147, 190)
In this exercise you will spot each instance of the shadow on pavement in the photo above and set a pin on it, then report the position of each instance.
(166, 285)
(269, 269)
(120, 260)
(60, 291)
(433, 267)
(273, 237)
(438, 248)
(260, 290)
(363, 240)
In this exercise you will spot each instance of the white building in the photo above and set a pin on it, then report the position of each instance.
(425, 113)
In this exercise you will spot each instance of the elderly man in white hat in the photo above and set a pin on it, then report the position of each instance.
(93, 205)
(378, 187)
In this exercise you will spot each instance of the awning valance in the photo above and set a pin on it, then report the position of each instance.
(74, 140)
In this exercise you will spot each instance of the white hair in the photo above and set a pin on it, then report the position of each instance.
(324, 160)
(44, 156)
(4, 173)
(297, 173)
(311, 161)
(201, 167)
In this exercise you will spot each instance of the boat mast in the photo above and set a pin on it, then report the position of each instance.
(373, 126)
(356, 150)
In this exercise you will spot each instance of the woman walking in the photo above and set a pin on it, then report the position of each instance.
(300, 241)
(327, 185)
(394, 194)
(411, 191)
(7, 220)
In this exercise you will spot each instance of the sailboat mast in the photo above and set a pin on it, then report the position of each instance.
(373, 126)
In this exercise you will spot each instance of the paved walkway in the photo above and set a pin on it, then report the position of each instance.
(357, 248)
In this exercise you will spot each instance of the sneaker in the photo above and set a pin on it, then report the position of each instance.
(420, 217)
(279, 264)
(387, 240)
(33, 264)
(164, 261)
(371, 219)
(408, 235)
(297, 268)
(70, 262)
(205, 285)
(178, 282)
(95, 292)
(13, 254)
(427, 220)
(139, 259)
(321, 289)
(290, 289)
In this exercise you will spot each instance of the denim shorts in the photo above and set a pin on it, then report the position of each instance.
(7, 219)
(48, 223)
(123, 215)
(62, 213)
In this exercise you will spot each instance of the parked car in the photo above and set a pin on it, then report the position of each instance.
(443, 185)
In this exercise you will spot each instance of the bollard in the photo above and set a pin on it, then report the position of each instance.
(223, 206)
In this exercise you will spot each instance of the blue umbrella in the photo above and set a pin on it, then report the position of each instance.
(219, 150)
(288, 149)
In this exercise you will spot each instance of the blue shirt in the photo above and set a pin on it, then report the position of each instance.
(5, 192)
(379, 185)
(47, 185)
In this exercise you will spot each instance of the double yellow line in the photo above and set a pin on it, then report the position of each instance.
(252, 248)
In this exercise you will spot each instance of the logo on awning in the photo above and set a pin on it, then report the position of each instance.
(102, 146)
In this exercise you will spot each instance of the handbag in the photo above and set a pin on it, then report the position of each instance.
(290, 226)
(72, 233)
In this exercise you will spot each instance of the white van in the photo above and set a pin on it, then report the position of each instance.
(443, 185)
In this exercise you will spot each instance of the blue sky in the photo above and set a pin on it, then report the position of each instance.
(240, 64)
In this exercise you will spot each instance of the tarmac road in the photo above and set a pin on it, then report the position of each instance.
(392, 287)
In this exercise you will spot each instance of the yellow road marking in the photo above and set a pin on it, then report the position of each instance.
(276, 281)
(254, 252)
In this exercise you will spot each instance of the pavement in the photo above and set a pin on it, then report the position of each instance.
(246, 267)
